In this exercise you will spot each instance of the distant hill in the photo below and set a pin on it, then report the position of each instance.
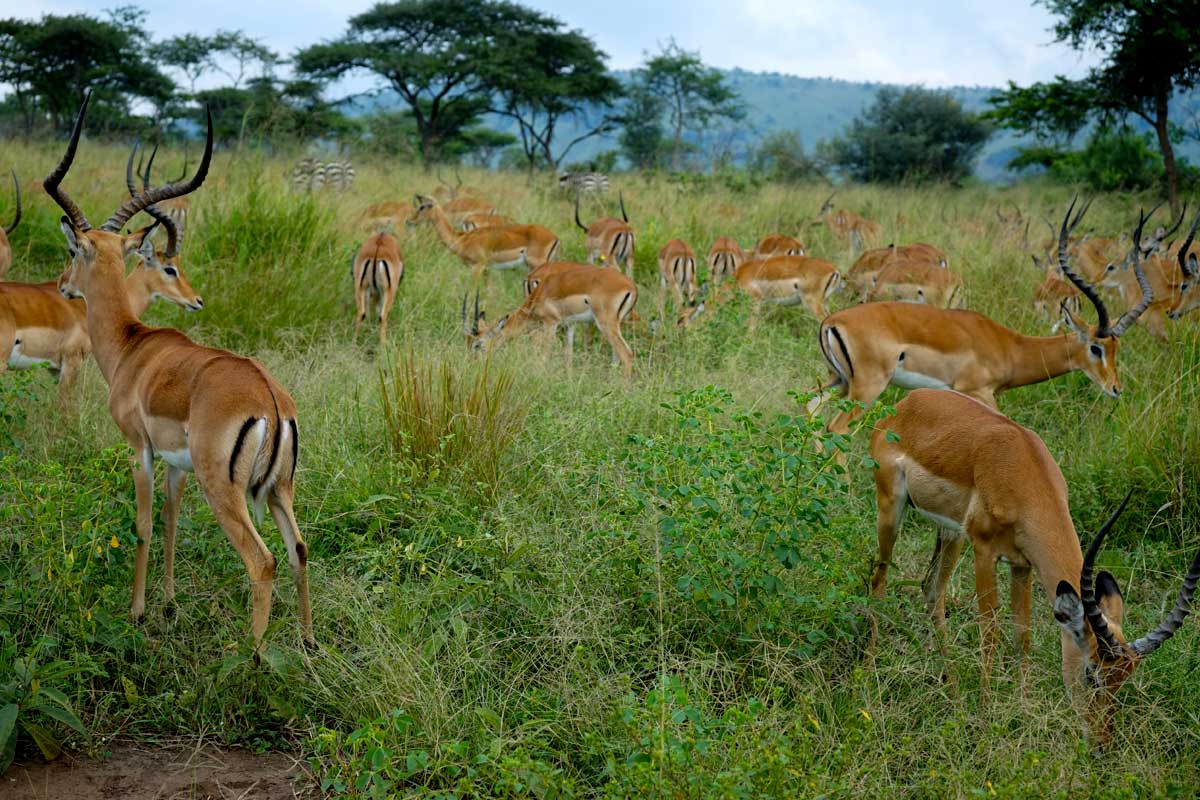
(819, 108)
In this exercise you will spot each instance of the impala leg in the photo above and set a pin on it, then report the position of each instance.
(173, 484)
(360, 301)
(985, 590)
(66, 378)
(228, 503)
(891, 502)
(755, 311)
(570, 347)
(949, 549)
(143, 487)
(629, 264)
(863, 389)
(280, 503)
(620, 348)
(1022, 588)
(385, 306)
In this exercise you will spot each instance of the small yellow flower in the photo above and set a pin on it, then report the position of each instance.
(814, 722)
(865, 714)
(113, 542)
(459, 542)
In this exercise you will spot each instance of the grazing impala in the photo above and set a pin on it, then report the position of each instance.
(677, 270)
(724, 258)
(848, 226)
(861, 276)
(6, 254)
(609, 240)
(525, 246)
(915, 282)
(377, 270)
(38, 326)
(789, 281)
(200, 409)
(565, 296)
(912, 346)
(984, 478)
(777, 244)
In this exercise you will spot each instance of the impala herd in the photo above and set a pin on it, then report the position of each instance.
(947, 453)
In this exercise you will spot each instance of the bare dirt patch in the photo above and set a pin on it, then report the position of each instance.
(144, 772)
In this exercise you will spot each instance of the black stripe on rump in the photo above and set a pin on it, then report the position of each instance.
(295, 447)
(237, 444)
(846, 353)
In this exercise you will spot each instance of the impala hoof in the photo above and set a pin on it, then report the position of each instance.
(311, 645)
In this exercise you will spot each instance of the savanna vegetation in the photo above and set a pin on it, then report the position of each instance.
(530, 580)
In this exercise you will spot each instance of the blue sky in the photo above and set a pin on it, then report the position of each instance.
(930, 42)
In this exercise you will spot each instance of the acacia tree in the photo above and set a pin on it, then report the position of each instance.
(1150, 49)
(543, 78)
(691, 94)
(433, 53)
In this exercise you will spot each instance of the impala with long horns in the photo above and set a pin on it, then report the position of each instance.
(609, 240)
(524, 246)
(199, 409)
(982, 477)
(1186, 293)
(377, 270)
(564, 296)
(6, 254)
(913, 346)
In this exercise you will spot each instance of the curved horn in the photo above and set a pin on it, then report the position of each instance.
(1187, 243)
(17, 216)
(52, 181)
(582, 227)
(1068, 225)
(466, 327)
(183, 173)
(171, 190)
(1130, 316)
(1087, 591)
(624, 216)
(161, 218)
(1147, 644)
(1175, 227)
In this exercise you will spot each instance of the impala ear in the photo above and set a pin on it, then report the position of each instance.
(136, 241)
(1074, 323)
(72, 233)
(1068, 611)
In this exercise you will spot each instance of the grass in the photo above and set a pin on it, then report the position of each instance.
(644, 598)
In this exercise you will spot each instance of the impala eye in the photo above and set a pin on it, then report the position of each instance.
(1096, 351)
(1183, 287)
(171, 272)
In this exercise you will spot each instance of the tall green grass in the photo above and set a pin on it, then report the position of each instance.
(569, 631)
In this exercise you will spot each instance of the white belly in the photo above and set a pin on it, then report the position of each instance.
(585, 316)
(179, 459)
(18, 360)
(938, 519)
(915, 380)
(520, 262)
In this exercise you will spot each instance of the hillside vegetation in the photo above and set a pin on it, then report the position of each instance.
(655, 589)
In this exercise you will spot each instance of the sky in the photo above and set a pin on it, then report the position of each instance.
(930, 42)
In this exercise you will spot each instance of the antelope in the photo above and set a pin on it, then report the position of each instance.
(980, 476)
(609, 240)
(377, 270)
(199, 409)
(776, 244)
(677, 270)
(848, 226)
(460, 209)
(915, 282)
(379, 215)
(724, 258)
(789, 281)
(862, 274)
(473, 222)
(1116, 274)
(565, 297)
(1185, 294)
(488, 248)
(38, 326)
(1054, 293)
(6, 254)
(913, 345)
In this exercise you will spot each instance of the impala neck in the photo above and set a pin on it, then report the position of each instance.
(1040, 358)
(137, 287)
(445, 230)
(110, 316)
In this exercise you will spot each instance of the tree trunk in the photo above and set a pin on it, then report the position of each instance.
(1168, 152)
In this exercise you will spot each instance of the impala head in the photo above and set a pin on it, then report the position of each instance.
(826, 207)
(1091, 622)
(1187, 292)
(423, 210)
(1100, 343)
(161, 271)
(99, 253)
(478, 334)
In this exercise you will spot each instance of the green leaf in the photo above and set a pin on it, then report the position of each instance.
(8, 721)
(63, 715)
(43, 739)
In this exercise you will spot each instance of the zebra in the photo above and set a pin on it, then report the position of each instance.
(313, 175)
(583, 182)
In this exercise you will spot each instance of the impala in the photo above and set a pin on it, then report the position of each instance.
(913, 345)
(473, 222)
(848, 226)
(609, 240)
(376, 270)
(777, 244)
(1187, 292)
(724, 258)
(6, 255)
(381, 215)
(789, 281)
(980, 476)
(488, 248)
(40, 327)
(177, 207)
(677, 270)
(861, 275)
(565, 297)
(200, 409)
(1054, 293)
(915, 282)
